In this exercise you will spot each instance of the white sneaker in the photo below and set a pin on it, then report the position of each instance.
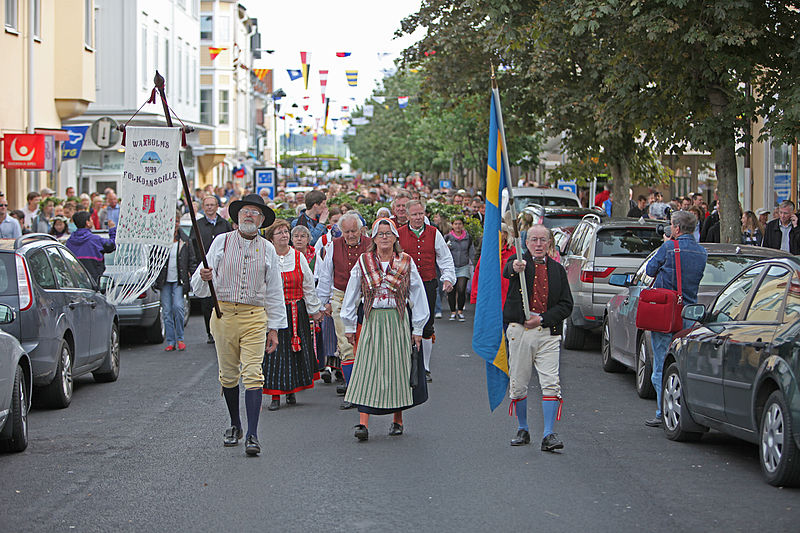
(452, 316)
(461, 317)
(438, 315)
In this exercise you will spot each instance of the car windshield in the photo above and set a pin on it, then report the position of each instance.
(720, 269)
(521, 202)
(8, 275)
(619, 242)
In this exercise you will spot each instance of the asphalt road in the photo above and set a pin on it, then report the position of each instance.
(145, 454)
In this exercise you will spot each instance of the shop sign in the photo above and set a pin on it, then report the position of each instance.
(24, 150)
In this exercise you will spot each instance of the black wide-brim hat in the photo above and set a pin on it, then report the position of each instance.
(256, 201)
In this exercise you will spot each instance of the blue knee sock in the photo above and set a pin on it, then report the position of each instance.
(347, 370)
(522, 413)
(252, 403)
(549, 410)
(231, 395)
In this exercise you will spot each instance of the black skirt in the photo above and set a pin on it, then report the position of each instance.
(286, 371)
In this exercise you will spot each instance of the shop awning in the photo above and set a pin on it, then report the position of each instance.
(60, 135)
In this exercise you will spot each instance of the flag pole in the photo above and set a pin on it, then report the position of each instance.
(159, 83)
(517, 238)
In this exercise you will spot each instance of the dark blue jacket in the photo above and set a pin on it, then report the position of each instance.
(693, 263)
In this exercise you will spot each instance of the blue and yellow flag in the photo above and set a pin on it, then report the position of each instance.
(488, 338)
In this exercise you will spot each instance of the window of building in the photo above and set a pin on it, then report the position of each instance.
(223, 117)
(223, 28)
(168, 86)
(205, 106)
(181, 81)
(145, 68)
(37, 19)
(206, 27)
(195, 7)
(12, 15)
(156, 58)
(88, 18)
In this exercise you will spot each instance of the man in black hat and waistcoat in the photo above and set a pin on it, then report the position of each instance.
(247, 278)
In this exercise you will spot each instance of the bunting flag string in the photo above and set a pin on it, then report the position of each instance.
(323, 82)
(214, 51)
(305, 68)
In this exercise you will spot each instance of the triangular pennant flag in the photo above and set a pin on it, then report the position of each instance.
(402, 101)
(323, 82)
(379, 99)
(342, 54)
(261, 72)
(352, 77)
(369, 110)
(305, 68)
(213, 51)
(345, 109)
(294, 74)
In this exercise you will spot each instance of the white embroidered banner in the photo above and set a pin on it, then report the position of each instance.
(149, 192)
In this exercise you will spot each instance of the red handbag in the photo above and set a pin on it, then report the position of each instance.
(660, 309)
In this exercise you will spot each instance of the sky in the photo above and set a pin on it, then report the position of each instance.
(323, 27)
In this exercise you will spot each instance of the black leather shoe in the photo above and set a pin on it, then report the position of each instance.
(339, 376)
(274, 405)
(654, 422)
(346, 405)
(326, 376)
(232, 436)
(252, 447)
(551, 442)
(396, 429)
(362, 433)
(210, 339)
(290, 399)
(428, 377)
(341, 390)
(523, 437)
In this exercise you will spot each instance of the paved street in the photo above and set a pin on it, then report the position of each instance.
(146, 454)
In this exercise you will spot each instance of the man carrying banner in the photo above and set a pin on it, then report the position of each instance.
(334, 274)
(536, 341)
(428, 249)
(244, 269)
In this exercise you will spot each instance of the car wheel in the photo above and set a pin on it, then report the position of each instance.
(18, 417)
(672, 407)
(572, 337)
(109, 371)
(778, 452)
(59, 392)
(644, 371)
(609, 364)
(156, 333)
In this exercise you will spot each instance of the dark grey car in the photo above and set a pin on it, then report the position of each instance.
(16, 384)
(624, 345)
(63, 321)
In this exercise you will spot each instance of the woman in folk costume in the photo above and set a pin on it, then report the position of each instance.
(387, 280)
(301, 239)
(293, 366)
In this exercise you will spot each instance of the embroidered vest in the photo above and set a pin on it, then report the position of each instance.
(422, 249)
(344, 258)
(396, 280)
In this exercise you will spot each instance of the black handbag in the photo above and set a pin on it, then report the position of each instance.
(414, 380)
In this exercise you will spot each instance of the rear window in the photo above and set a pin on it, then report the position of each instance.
(8, 275)
(562, 221)
(720, 269)
(621, 242)
(521, 202)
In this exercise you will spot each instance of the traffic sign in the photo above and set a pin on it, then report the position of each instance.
(569, 186)
(265, 179)
(445, 184)
(104, 132)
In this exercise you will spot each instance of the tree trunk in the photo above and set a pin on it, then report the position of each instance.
(620, 185)
(730, 224)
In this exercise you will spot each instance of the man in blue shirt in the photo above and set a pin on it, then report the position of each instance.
(9, 227)
(693, 259)
(110, 212)
(315, 215)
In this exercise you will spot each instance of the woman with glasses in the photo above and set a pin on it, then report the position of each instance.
(293, 366)
(387, 281)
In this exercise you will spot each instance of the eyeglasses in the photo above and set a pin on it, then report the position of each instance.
(3, 205)
(386, 234)
(281, 232)
(251, 212)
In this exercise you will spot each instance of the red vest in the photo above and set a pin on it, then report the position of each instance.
(421, 249)
(344, 258)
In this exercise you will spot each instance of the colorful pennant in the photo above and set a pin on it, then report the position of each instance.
(261, 72)
(352, 77)
(323, 82)
(342, 54)
(369, 110)
(402, 101)
(305, 68)
(294, 74)
(213, 51)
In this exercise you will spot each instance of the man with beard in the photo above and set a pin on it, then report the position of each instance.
(247, 278)
(428, 249)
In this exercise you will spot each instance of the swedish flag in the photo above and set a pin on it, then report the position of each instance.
(488, 338)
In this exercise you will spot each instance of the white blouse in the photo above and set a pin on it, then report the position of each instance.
(286, 264)
(384, 299)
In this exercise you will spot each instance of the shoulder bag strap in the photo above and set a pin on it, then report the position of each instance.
(678, 271)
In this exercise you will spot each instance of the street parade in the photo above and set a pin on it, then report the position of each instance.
(303, 266)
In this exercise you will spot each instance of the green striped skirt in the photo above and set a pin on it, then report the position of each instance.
(382, 366)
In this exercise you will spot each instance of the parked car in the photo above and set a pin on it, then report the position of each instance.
(544, 196)
(736, 369)
(16, 384)
(598, 248)
(145, 311)
(559, 217)
(623, 345)
(63, 321)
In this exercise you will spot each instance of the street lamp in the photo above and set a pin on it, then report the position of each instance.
(276, 95)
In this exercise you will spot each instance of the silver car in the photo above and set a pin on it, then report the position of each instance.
(543, 196)
(16, 384)
(623, 345)
(597, 249)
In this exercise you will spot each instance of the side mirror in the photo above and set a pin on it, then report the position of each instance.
(7, 314)
(620, 280)
(105, 281)
(695, 312)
